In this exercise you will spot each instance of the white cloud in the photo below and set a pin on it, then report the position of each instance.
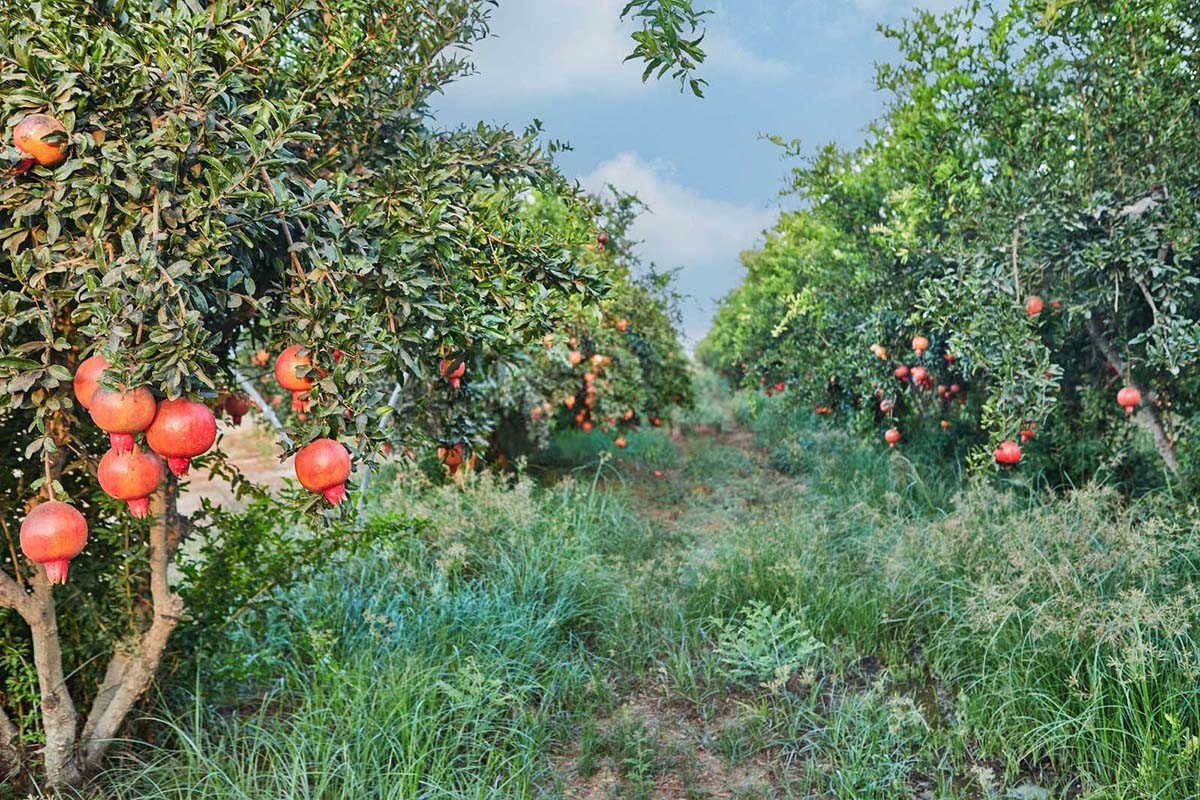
(541, 48)
(684, 228)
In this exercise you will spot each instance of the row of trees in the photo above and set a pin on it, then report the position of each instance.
(246, 176)
(1027, 203)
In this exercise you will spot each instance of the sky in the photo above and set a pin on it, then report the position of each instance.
(799, 69)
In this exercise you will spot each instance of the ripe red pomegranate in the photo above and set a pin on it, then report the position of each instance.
(891, 436)
(901, 372)
(950, 358)
(291, 371)
(1008, 453)
(52, 534)
(122, 414)
(780, 386)
(885, 406)
(323, 465)
(181, 430)
(922, 378)
(919, 345)
(237, 406)
(453, 373)
(1130, 398)
(602, 238)
(656, 422)
(535, 413)
(87, 378)
(569, 401)
(29, 137)
(131, 477)
(1034, 305)
(1026, 434)
(587, 426)
(620, 441)
(622, 325)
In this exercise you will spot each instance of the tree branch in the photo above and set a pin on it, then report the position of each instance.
(1149, 411)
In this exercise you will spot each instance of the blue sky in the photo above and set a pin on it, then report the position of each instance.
(801, 69)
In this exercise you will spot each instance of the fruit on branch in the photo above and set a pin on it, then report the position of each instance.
(237, 405)
(453, 373)
(122, 414)
(291, 369)
(620, 442)
(452, 457)
(919, 345)
(602, 238)
(131, 477)
(51, 535)
(901, 372)
(87, 378)
(1034, 305)
(260, 358)
(1129, 398)
(945, 424)
(622, 325)
(1008, 453)
(891, 436)
(182, 429)
(29, 137)
(575, 357)
(880, 351)
(323, 465)
(922, 378)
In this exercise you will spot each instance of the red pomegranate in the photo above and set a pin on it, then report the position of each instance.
(891, 436)
(779, 387)
(1027, 432)
(602, 238)
(323, 465)
(291, 370)
(52, 534)
(587, 426)
(569, 401)
(453, 373)
(950, 358)
(238, 406)
(122, 414)
(919, 345)
(1130, 398)
(885, 406)
(30, 134)
(1008, 453)
(1034, 305)
(622, 325)
(87, 378)
(620, 442)
(131, 477)
(901, 372)
(574, 357)
(922, 378)
(945, 424)
(181, 430)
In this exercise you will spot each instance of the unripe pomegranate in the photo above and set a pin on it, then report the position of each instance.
(122, 414)
(919, 345)
(181, 430)
(237, 406)
(901, 372)
(1033, 306)
(891, 436)
(29, 137)
(1008, 453)
(1130, 398)
(260, 358)
(52, 534)
(291, 368)
(880, 351)
(87, 378)
(323, 465)
(131, 477)
(575, 357)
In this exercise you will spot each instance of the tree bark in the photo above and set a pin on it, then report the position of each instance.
(1148, 413)
(10, 753)
(129, 674)
(58, 709)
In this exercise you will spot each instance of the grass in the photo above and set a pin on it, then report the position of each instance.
(821, 618)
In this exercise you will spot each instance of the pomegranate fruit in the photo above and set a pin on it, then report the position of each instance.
(290, 370)
(181, 430)
(575, 357)
(922, 378)
(452, 457)
(569, 401)
(87, 378)
(620, 442)
(622, 325)
(29, 136)
(452, 372)
(945, 424)
(238, 406)
(885, 406)
(1034, 305)
(1130, 398)
(602, 238)
(51, 535)
(891, 436)
(122, 414)
(1008, 453)
(901, 372)
(587, 426)
(919, 345)
(131, 477)
(323, 465)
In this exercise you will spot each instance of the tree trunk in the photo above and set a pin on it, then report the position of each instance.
(10, 753)
(129, 674)
(58, 709)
